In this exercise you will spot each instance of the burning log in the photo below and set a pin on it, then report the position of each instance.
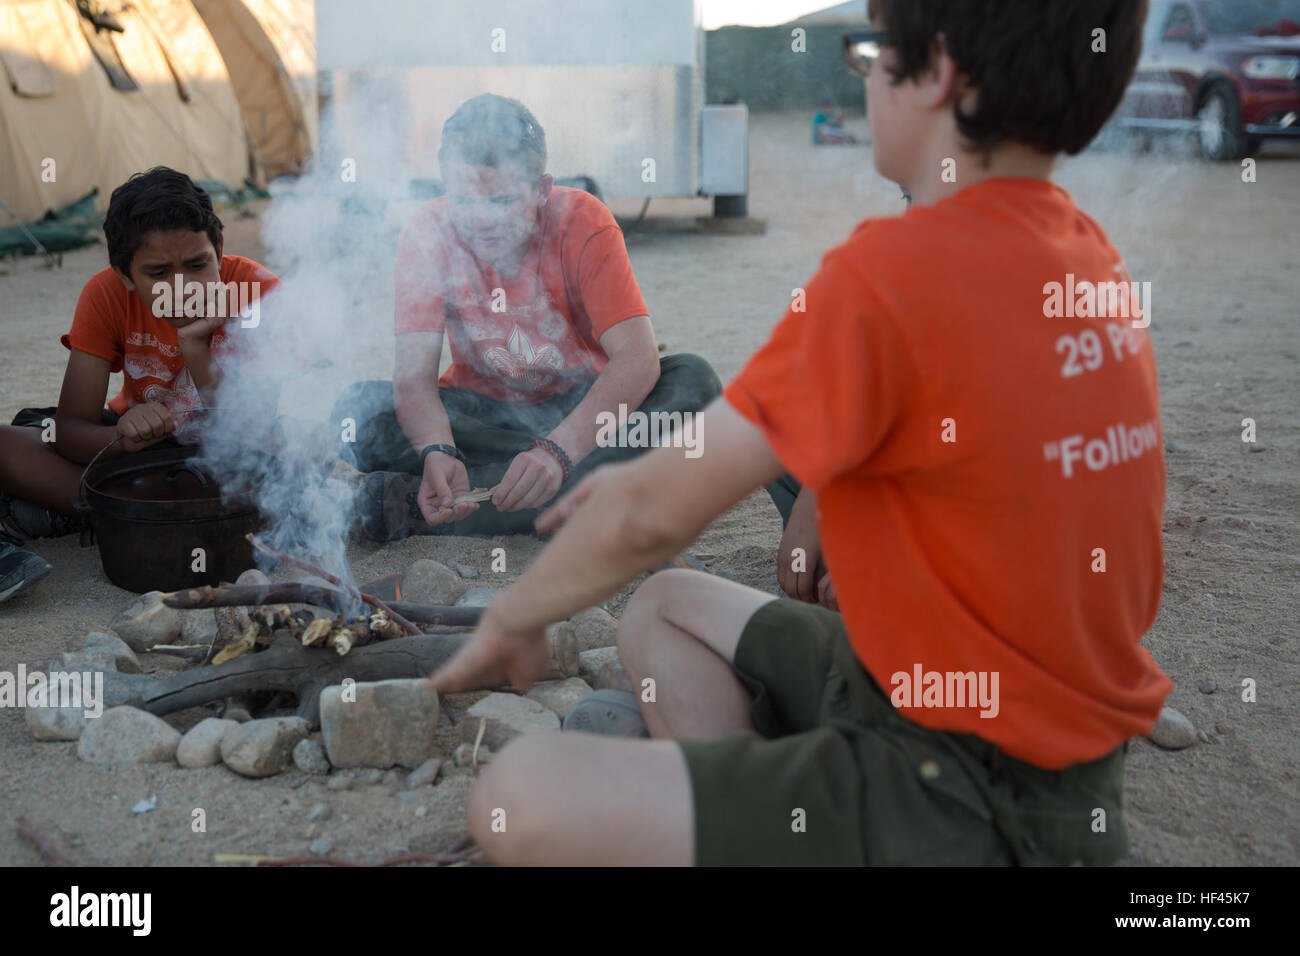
(304, 671)
(290, 592)
(367, 598)
(285, 666)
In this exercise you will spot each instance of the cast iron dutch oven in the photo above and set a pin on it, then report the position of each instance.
(151, 509)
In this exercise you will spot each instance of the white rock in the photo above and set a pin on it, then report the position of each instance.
(201, 745)
(507, 716)
(558, 696)
(199, 626)
(127, 735)
(146, 621)
(424, 774)
(478, 597)
(1172, 731)
(590, 662)
(52, 723)
(594, 628)
(309, 757)
(262, 748)
(252, 576)
(613, 677)
(388, 722)
(80, 661)
(123, 656)
(431, 582)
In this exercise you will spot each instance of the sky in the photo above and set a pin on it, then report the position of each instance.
(758, 13)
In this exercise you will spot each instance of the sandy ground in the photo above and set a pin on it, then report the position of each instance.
(1222, 259)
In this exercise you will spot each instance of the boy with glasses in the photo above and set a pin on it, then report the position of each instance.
(973, 702)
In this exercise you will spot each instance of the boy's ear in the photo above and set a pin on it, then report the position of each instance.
(126, 279)
(944, 83)
(544, 187)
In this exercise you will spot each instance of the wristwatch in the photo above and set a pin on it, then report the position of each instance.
(452, 450)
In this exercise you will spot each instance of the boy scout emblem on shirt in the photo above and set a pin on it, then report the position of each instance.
(525, 367)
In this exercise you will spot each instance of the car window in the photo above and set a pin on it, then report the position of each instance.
(1247, 17)
(1156, 16)
(1180, 17)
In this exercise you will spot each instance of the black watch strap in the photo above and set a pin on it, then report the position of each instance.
(452, 450)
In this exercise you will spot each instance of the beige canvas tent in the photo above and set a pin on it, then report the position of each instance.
(269, 47)
(92, 91)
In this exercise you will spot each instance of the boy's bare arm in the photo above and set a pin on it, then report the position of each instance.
(621, 520)
(415, 390)
(627, 379)
(631, 517)
(78, 433)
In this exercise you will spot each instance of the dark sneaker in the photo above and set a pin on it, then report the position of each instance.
(19, 570)
(613, 713)
(387, 508)
(24, 520)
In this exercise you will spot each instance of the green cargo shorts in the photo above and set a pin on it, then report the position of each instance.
(835, 776)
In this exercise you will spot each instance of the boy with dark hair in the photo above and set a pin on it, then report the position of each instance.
(973, 703)
(549, 335)
(163, 313)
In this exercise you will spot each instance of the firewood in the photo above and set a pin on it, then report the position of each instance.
(240, 646)
(287, 666)
(332, 579)
(317, 631)
(331, 598)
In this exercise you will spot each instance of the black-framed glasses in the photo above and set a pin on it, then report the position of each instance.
(862, 49)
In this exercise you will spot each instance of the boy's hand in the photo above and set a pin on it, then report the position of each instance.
(801, 532)
(492, 656)
(145, 425)
(532, 479)
(444, 478)
(198, 332)
(555, 517)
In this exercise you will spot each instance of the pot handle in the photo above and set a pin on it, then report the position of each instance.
(80, 504)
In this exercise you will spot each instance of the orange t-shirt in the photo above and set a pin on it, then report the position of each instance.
(540, 334)
(113, 323)
(972, 459)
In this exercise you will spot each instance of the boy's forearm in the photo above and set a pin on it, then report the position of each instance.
(421, 415)
(625, 380)
(79, 441)
(608, 542)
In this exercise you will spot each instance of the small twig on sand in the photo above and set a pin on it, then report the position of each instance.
(332, 579)
(461, 853)
(49, 853)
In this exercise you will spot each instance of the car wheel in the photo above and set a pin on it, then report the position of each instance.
(1219, 125)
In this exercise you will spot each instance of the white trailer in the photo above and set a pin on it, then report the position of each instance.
(616, 84)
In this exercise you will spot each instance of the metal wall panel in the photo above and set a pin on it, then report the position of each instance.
(601, 121)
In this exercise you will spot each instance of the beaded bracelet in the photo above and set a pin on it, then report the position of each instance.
(557, 452)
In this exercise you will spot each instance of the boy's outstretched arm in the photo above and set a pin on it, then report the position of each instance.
(79, 433)
(622, 520)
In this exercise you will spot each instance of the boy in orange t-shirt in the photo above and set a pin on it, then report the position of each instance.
(164, 312)
(530, 285)
(970, 395)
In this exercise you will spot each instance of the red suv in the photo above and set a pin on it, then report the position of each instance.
(1227, 70)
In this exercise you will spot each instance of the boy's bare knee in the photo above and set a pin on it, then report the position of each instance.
(645, 608)
(507, 811)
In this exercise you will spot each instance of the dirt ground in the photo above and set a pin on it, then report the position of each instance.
(1221, 256)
